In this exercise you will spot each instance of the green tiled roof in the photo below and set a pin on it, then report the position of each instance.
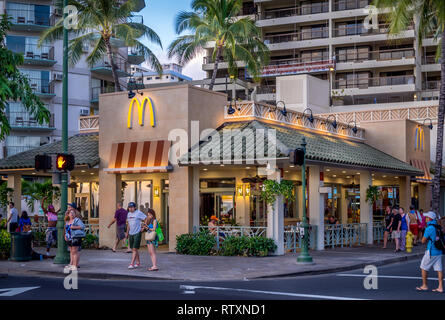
(84, 147)
(320, 148)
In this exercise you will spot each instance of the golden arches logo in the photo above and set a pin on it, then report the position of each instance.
(141, 112)
(419, 139)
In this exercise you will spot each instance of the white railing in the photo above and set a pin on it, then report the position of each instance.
(293, 236)
(343, 235)
(89, 124)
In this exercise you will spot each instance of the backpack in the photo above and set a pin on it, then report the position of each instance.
(439, 242)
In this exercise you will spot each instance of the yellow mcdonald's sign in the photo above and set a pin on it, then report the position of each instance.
(419, 139)
(141, 112)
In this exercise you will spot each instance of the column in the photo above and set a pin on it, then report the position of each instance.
(275, 220)
(195, 190)
(425, 196)
(365, 207)
(343, 206)
(15, 183)
(405, 192)
(316, 204)
(110, 194)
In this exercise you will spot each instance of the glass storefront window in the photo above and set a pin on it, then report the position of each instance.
(331, 201)
(144, 195)
(128, 192)
(390, 197)
(95, 200)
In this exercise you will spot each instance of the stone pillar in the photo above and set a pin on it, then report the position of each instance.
(425, 196)
(275, 220)
(365, 207)
(181, 203)
(15, 183)
(343, 206)
(110, 194)
(405, 192)
(195, 191)
(316, 204)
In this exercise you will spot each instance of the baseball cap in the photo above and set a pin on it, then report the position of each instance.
(214, 218)
(73, 205)
(132, 204)
(430, 214)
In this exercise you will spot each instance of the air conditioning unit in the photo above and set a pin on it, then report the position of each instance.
(84, 112)
(57, 76)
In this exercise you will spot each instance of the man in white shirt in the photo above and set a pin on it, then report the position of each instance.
(134, 233)
(13, 218)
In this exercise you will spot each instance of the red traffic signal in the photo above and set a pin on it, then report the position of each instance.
(42, 162)
(65, 162)
(296, 157)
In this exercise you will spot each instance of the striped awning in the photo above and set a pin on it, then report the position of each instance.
(423, 166)
(140, 157)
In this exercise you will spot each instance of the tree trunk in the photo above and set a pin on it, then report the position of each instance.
(439, 144)
(215, 68)
(117, 86)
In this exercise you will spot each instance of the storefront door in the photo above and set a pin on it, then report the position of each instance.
(165, 210)
(220, 204)
(82, 201)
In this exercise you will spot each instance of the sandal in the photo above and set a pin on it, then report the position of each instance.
(421, 289)
(153, 269)
(437, 290)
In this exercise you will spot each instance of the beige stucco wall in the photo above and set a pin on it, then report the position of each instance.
(175, 108)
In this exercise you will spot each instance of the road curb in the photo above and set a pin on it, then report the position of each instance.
(340, 269)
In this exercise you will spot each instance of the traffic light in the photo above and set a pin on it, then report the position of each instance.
(42, 162)
(296, 157)
(65, 162)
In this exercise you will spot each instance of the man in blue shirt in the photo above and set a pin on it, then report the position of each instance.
(433, 256)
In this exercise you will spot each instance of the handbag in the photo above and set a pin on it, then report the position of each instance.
(150, 236)
(159, 233)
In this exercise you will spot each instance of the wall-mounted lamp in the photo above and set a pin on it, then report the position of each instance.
(239, 190)
(283, 111)
(311, 117)
(334, 123)
(156, 191)
(431, 123)
(247, 192)
(354, 129)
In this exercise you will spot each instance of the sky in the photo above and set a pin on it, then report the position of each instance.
(160, 15)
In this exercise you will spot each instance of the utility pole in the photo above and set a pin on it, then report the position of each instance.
(62, 256)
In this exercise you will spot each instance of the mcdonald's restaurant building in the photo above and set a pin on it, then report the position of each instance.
(144, 150)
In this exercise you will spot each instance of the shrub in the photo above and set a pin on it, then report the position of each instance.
(198, 244)
(5, 244)
(90, 241)
(247, 246)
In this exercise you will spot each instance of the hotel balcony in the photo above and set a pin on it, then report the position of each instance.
(370, 86)
(30, 20)
(34, 55)
(103, 67)
(208, 64)
(25, 121)
(43, 88)
(97, 91)
(430, 63)
(89, 124)
(135, 56)
(342, 5)
(431, 90)
(299, 39)
(357, 33)
(304, 13)
(375, 59)
(297, 66)
(266, 93)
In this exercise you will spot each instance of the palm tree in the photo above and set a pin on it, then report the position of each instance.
(100, 21)
(235, 39)
(39, 191)
(429, 16)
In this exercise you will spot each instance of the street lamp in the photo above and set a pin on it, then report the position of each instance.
(304, 257)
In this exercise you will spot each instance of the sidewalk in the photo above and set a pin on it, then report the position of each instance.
(104, 264)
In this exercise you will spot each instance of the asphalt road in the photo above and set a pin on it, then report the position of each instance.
(396, 281)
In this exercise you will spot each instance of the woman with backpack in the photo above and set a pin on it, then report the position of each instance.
(74, 233)
(24, 222)
(151, 224)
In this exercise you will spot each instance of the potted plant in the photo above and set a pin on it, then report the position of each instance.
(372, 194)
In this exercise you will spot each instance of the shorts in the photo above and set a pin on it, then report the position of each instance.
(414, 228)
(75, 242)
(51, 237)
(135, 240)
(395, 235)
(429, 261)
(13, 227)
(120, 232)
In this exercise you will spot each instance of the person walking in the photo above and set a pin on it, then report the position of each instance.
(74, 233)
(120, 218)
(395, 228)
(433, 256)
(13, 218)
(24, 222)
(413, 224)
(404, 228)
(134, 234)
(150, 226)
(51, 230)
(388, 221)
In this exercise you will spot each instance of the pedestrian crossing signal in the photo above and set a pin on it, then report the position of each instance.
(42, 162)
(65, 162)
(296, 157)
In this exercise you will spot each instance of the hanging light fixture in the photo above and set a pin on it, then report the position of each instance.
(430, 126)
(283, 111)
(334, 123)
(354, 129)
(311, 117)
